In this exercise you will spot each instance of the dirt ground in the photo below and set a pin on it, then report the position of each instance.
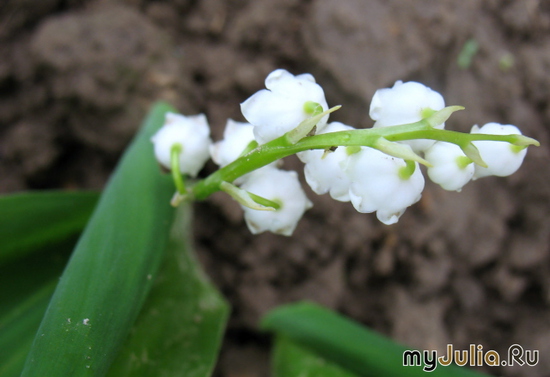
(76, 78)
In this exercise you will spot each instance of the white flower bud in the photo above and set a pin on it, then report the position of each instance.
(236, 137)
(324, 171)
(280, 108)
(377, 184)
(192, 133)
(450, 169)
(502, 158)
(406, 103)
(282, 187)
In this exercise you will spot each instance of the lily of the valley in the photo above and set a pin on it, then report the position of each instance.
(450, 169)
(502, 158)
(192, 134)
(237, 136)
(406, 103)
(281, 187)
(283, 105)
(381, 183)
(324, 170)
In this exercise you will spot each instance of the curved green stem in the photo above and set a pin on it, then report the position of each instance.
(283, 147)
(249, 199)
(179, 181)
(265, 202)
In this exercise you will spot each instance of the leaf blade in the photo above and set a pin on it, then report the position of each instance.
(348, 343)
(33, 219)
(182, 322)
(17, 329)
(106, 280)
(27, 282)
(292, 360)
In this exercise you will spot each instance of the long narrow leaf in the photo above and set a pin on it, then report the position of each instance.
(292, 360)
(30, 220)
(179, 330)
(348, 343)
(28, 279)
(111, 269)
(26, 286)
(17, 329)
(23, 276)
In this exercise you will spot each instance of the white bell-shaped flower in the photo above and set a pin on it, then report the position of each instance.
(378, 184)
(192, 133)
(236, 137)
(450, 169)
(406, 103)
(324, 171)
(281, 107)
(502, 158)
(283, 188)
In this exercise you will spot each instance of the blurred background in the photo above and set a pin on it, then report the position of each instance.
(77, 77)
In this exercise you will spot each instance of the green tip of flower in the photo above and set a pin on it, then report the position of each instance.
(407, 171)
(462, 161)
(517, 148)
(427, 112)
(353, 150)
(312, 108)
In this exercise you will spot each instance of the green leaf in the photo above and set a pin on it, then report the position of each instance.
(17, 329)
(348, 343)
(179, 330)
(26, 285)
(22, 277)
(28, 279)
(112, 267)
(293, 360)
(33, 219)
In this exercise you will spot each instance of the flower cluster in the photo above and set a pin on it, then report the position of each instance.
(376, 169)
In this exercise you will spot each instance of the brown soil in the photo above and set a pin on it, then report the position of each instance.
(76, 78)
